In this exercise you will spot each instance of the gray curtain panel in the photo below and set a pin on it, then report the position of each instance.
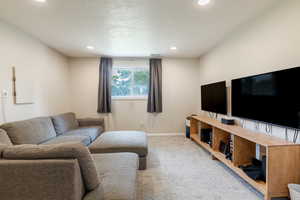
(104, 91)
(155, 87)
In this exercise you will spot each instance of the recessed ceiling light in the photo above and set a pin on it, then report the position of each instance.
(173, 48)
(90, 47)
(41, 1)
(203, 2)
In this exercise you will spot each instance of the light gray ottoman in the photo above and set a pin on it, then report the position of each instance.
(123, 141)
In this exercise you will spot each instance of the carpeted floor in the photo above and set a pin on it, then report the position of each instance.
(178, 169)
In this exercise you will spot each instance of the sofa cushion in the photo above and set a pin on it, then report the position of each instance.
(96, 194)
(92, 132)
(65, 151)
(118, 175)
(85, 140)
(121, 141)
(2, 148)
(64, 122)
(4, 139)
(32, 131)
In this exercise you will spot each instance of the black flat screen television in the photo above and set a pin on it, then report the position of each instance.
(214, 98)
(272, 98)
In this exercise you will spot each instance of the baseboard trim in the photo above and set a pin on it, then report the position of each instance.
(165, 134)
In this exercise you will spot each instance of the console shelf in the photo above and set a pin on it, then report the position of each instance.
(283, 157)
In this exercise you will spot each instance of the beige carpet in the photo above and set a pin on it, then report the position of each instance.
(178, 169)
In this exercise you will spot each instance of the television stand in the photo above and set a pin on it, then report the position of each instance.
(283, 157)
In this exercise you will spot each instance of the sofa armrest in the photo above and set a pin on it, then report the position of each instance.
(41, 179)
(96, 194)
(58, 151)
(91, 122)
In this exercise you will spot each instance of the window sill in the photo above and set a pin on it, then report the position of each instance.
(132, 98)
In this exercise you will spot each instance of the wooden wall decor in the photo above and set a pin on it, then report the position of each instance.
(22, 88)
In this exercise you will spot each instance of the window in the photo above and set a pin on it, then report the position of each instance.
(130, 82)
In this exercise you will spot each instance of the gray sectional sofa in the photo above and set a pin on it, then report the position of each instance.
(49, 158)
(53, 130)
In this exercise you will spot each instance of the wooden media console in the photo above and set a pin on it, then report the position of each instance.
(282, 157)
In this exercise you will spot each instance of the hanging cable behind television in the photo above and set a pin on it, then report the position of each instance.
(296, 133)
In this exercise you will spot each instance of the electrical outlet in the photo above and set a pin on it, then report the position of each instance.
(4, 94)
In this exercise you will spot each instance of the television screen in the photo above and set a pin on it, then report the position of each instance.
(214, 98)
(272, 97)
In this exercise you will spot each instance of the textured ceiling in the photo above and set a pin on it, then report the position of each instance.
(130, 28)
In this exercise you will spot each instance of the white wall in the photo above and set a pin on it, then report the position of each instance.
(48, 69)
(179, 96)
(269, 43)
